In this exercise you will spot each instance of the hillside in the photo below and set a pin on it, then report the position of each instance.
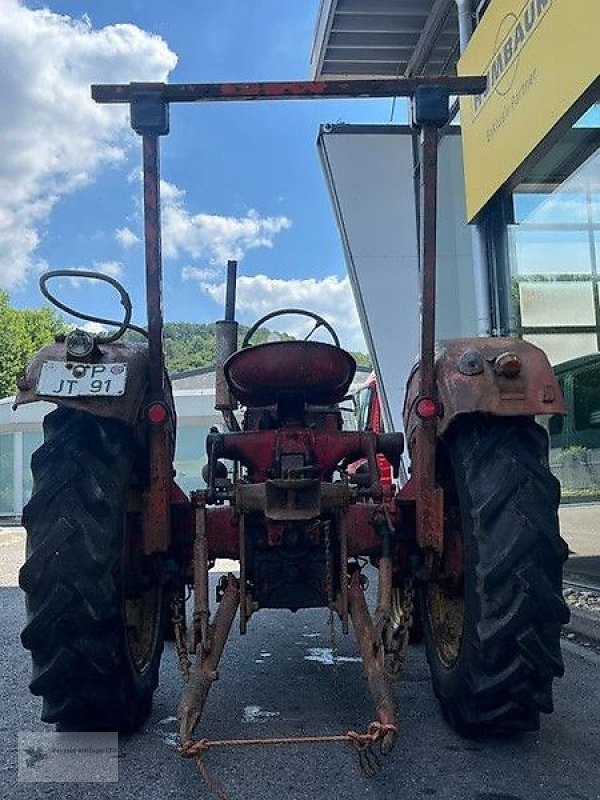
(189, 345)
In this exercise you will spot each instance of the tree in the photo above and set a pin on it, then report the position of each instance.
(22, 333)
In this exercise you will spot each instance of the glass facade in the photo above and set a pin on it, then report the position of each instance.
(31, 441)
(554, 251)
(6, 473)
(555, 247)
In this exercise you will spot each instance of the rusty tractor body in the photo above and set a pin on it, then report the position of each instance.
(472, 534)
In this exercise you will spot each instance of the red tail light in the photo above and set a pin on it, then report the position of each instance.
(426, 408)
(157, 413)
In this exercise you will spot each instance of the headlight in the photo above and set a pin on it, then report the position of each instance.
(80, 344)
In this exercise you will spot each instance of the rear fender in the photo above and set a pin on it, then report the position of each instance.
(127, 407)
(467, 383)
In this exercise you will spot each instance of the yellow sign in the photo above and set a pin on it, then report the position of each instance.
(539, 57)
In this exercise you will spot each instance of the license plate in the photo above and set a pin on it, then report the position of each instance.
(72, 379)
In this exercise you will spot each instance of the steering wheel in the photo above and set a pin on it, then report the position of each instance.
(319, 323)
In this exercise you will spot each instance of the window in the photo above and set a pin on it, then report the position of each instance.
(31, 441)
(555, 246)
(363, 408)
(7, 503)
(556, 423)
(586, 392)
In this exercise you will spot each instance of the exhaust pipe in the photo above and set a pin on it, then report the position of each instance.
(226, 334)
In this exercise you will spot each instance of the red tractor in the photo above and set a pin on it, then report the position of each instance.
(113, 542)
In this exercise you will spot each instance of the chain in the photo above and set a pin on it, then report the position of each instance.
(361, 743)
(178, 620)
(401, 633)
(329, 582)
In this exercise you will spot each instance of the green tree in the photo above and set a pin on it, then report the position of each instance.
(22, 333)
(190, 345)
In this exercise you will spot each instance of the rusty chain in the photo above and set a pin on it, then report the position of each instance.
(401, 634)
(330, 600)
(178, 620)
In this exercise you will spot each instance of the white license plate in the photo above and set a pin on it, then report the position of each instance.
(72, 379)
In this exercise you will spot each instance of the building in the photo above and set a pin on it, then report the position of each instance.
(520, 245)
(531, 151)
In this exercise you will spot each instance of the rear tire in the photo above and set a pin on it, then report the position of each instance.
(493, 640)
(94, 605)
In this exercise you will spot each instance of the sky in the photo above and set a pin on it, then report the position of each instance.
(239, 180)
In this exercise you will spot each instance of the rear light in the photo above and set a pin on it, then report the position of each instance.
(426, 408)
(508, 364)
(157, 413)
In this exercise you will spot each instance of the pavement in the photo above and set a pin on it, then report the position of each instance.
(580, 527)
(281, 680)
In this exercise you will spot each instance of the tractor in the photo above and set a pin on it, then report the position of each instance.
(114, 544)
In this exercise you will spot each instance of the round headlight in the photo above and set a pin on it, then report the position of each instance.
(80, 344)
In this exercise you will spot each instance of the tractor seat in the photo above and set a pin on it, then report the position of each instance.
(259, 375)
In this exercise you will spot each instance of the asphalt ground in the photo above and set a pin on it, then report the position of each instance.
(279, 680)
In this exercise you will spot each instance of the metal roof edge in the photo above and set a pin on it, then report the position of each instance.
(321, 35)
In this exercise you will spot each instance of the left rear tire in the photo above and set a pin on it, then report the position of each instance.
(94, 603)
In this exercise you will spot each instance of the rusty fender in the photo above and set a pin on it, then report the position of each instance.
(126, 407)
(468, 381)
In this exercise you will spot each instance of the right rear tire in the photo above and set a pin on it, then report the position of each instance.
(493, 639)
(94, 603)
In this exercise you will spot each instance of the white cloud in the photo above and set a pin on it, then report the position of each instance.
(331, 297)
(114, 269)
(126, 237)
(217, 238)
(53, 137)
(200, 274)
(92, 327)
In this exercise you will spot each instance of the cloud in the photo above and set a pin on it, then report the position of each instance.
(92, 327)
(126, 237)
(217, 238)
(200, 274)
(114, 269)
(53, 137)
(331, 297)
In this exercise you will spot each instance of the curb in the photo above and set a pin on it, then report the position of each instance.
(585, 624)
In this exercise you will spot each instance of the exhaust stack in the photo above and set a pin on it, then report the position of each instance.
(226, 333)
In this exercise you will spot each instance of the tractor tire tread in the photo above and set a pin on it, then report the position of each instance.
(512, 650)
(75, 628)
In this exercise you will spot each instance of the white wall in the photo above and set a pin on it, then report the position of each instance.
(370, 176)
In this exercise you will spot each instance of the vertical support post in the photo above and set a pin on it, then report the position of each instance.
(429, 143)
(430, 110)
(152, 245)
(150, 119)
